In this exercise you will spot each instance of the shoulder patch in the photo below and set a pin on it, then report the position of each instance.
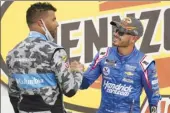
(103, 52)
(146, 61)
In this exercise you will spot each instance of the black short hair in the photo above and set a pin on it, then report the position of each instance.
(36, 10)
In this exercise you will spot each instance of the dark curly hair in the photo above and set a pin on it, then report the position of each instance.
(36, 10)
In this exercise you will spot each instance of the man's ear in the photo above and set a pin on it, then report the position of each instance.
(39, 22)
(134, 39)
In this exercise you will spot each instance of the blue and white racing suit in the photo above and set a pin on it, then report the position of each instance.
(123, 78)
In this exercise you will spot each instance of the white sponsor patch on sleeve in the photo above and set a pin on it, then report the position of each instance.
(145, 62)
(155, 82)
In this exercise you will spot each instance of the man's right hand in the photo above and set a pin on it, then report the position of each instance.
(76, 66)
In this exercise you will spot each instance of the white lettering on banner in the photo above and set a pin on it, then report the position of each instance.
(118, 89)
(34, 81)
(92, 26)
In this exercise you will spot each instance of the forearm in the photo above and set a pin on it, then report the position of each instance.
(72, 84)
(89, 77)
(151, 86)
(85, 83)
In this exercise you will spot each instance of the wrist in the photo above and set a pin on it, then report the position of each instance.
(76, 71)
(153, 109)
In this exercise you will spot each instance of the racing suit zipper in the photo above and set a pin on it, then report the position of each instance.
(131, 107)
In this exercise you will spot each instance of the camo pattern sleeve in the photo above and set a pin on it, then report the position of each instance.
(69, 82)
(13, 90)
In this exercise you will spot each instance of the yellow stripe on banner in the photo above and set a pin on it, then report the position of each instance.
(72, 111)
(165, 91)
(4, 79)
(88, 98)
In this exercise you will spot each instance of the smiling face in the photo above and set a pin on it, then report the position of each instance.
(122, 38)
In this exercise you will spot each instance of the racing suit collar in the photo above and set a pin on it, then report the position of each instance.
(35, 34)
(126, 57)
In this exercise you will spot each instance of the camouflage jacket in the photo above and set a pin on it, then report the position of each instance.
(39, 74)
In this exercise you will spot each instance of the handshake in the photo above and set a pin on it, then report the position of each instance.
(76, 66)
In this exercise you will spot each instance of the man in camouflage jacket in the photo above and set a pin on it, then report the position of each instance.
(39, 71)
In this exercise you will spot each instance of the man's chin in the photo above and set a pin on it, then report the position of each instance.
(115, 44)
(55, 38)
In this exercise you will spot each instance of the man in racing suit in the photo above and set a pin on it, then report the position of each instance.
(125, 71)
(39, 72)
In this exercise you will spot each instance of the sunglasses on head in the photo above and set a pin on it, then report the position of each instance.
(122, 31)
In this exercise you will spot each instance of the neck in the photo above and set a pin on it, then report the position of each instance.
(125, 50)
(34, 28)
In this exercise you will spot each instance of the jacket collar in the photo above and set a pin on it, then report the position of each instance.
(35, 34)
(126, 57)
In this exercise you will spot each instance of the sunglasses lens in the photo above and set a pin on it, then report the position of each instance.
(121, 31)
